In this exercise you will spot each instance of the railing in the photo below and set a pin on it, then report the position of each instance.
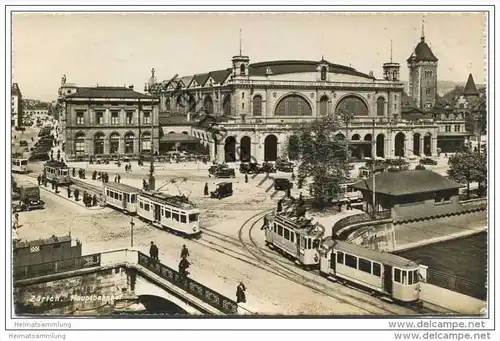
(458, 284)
(481, 203)
(191, 286)
(360, 218)
(51, 268)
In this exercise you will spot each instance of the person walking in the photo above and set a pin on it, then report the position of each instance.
(153, 251)
(39, 179)
(77, 193)
(205, 190)
(118, 178)
(184, 252)
(240, 293)
(183, 266)
(246, 178)
(69, 191)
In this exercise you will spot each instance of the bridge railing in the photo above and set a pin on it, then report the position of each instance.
(193, 287)
(455, 283)
(54, 267)
(359, 218)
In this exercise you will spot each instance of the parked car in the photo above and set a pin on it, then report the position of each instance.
(428, 161)
(249, 168)
(267, 167)
(225, 173)
(213, 169)
(222, 190)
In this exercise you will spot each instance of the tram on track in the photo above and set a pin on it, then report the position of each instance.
(121, 196)
(57, 172)
(381, 273)
(20, 165)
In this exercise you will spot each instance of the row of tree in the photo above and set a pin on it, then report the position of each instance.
(469, 167)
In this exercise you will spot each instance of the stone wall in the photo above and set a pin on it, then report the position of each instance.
(380, 237)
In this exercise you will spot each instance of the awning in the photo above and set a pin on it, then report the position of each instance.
(178, 138)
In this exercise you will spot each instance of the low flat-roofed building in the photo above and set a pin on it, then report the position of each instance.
(411, 194)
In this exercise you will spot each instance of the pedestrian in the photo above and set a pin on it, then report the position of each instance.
(58, 155)
(74, 172)
(45, 181)
(266, 222)
(153, 251)
(56, 186)
(94, 200)
(129, 167)
(39, 179)
(106, 176)
(246, 178)
(280, 205)
(184, 252)
(205, 190)
(144, 184)
(118, 177)
(293, 176)
(126, 168)
(69, 191)
(52, 184)
(84, 197)
(16, 220)
(183, 266)
(94, 175)
(240, 293)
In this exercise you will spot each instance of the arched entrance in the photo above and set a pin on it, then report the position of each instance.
(399, 145)
(428, 144)
(245, 149)
(293, 147)
(416, 144)
(367, 148)
(230, 149)
(98, 143)
(380, 145)
(270, 148)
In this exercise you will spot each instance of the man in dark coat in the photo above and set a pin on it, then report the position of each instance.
(39, 179)
(153, 251)
(69, 192)
(94, 200)
(183, 266)
(184, 252)
(240, 293)
(205, 190)
(246, 178)
(77, 193)
(74, 172)
(94, 175)
(118, 178)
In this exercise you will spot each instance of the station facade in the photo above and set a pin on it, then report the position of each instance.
(261, 105)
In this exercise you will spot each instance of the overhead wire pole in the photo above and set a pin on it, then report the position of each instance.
(373, 165)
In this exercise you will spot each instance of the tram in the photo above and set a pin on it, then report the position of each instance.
(57, 172)
(120, 196)
(172, 213)
(381, 273)
(295, 237)
(20, 165)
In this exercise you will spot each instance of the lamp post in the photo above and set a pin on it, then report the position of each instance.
(132, 232)
(373, 166)
(347, 117)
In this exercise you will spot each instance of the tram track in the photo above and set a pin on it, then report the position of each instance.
(284, 271)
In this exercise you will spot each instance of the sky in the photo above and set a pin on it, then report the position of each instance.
(122, 48)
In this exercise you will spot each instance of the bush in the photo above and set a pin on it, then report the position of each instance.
(420, 167)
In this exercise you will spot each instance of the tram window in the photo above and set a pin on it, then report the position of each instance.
(168, 214)
(193, 217)
(340, 257)
(365, 265)
(132, 198)
(280, 230)
(410, 277)
(302, 242)
(127, 197)
(146, 207)
(140, 204)
(397, 275)
(292, 237)
(309, 243)
(24, 162)
(286, 234)
(404, 278)
(315, 244)
(107, 192)
(351, 261)
(183, 218)
(416, 276)
(274, 227)
(120, 197)
(376, 269)
(175, 216)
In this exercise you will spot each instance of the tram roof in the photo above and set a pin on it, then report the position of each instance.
(176, 201)
(122, 187)
(301, 226)
(56, 164)
(363, 252)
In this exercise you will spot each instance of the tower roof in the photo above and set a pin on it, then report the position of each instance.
(422, 53)
(470, 87)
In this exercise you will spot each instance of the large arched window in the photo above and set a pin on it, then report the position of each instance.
(129, 143)
(208, 104)
(257, 105)
(293, 105)
(99, 143)
(352, 105)
(226, 105)
(380, 106)
(80, 143)
(114, 143)
(323, 106)
(146, 142)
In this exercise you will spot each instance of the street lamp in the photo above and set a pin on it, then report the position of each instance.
(346, 117)
(132, 232)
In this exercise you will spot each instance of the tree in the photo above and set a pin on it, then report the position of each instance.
(322, 158)
(468, 167)
(292, 148)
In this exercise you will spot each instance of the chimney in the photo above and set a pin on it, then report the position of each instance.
(131, 87)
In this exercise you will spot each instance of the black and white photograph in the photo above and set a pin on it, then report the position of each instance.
(249, 165)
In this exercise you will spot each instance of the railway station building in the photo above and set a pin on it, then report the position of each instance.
(261, 105)
(103, 121)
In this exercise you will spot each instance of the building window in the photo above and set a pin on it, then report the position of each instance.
(242, 95)
(129, 117)
(242, 105)
(147, 117)
(323, 106)
(380, 106)
(395, 97)
(457, 127)
(352, 105)
(243, 70)
(323, 73)
(447, 129)
(114, 143)
(293, 105)
(99, 144)
(99, 117)
(79, 118)
(146, 142)
(129, 143)
(79, 144)
(257, 105)
(395, 106)
(114, 117)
